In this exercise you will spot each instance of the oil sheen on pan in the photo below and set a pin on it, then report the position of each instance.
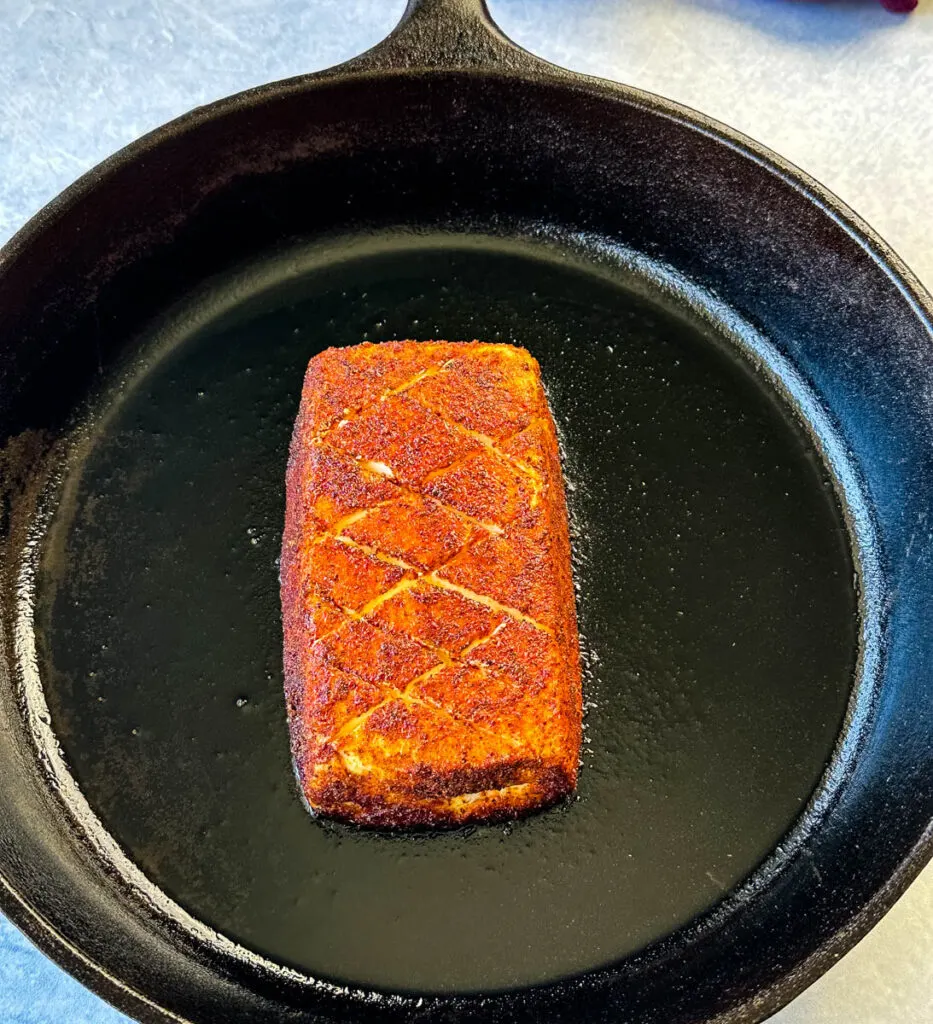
(432, 670)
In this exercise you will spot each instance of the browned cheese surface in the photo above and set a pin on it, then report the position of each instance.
(432, 668)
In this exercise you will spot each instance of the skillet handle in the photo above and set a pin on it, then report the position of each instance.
(439, 34)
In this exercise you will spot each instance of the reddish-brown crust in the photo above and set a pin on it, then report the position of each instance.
(432, 667)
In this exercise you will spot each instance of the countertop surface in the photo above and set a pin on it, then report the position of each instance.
(840, 87)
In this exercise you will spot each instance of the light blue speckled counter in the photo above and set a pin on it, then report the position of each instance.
(840, 87)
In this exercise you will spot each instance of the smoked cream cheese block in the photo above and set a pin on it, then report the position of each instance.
(431, 654)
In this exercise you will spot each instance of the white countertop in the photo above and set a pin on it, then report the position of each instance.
(840, 87)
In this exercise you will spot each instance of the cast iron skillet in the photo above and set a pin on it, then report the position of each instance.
(742, 373)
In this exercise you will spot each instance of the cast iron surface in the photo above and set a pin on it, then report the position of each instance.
(447, 131)
(709, 720)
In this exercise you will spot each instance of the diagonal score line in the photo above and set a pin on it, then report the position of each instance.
(447, 657)
(448, 660)
(404, 585)
(429, 371)
(437, 706)
(463, 660)
(387, 595)
(408, 489)
(431, 577)
(367, 549)
(395, 693)
(397, 588)
(490, 602)
(348, 728)
(489, 443)
(355, 414)
(493, 528)
(333, 629)
(337, 527)
(400, 587)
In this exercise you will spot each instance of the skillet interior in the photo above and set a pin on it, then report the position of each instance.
(716, 602)
(297, 162)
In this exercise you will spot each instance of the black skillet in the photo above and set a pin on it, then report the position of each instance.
(743, 376)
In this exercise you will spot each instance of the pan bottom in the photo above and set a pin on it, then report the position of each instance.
(715, 598)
